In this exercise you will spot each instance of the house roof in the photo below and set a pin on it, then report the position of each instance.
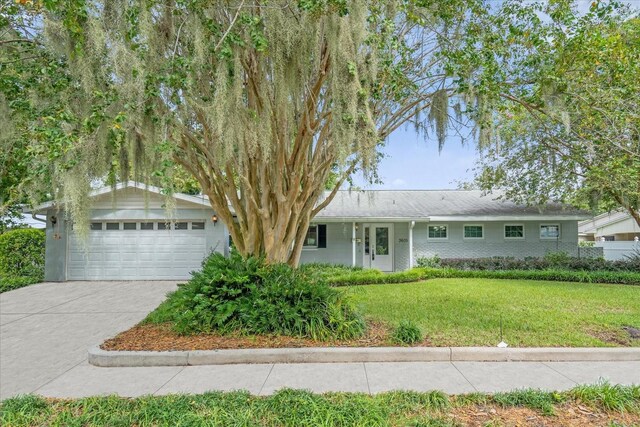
(435, 205)
(423, 205)
(198, 200)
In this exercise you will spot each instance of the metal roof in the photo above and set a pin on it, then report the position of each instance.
(431, 204)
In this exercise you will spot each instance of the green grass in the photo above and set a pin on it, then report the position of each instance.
(300, 408)
(466, 312)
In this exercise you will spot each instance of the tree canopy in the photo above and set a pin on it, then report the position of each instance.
(574, 134)
(267, 104)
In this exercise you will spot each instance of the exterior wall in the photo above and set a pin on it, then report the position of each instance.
(494, 243)
(55, 254)
(339, 245)
(401, 247)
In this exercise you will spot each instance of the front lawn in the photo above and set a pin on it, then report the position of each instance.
(466, 312)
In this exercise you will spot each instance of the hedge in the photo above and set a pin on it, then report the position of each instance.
(370, 277)
(21, 258)
(552, 261)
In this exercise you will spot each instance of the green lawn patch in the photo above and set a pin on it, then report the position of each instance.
(614, 405)
(467, 312)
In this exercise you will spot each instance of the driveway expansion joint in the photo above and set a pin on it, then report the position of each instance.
(105, 358)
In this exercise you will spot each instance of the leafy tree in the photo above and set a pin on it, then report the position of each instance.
(264, 103)
(573, 131)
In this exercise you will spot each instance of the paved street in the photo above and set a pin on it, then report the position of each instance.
(46, 330)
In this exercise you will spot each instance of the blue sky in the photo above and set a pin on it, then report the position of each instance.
(415, 164)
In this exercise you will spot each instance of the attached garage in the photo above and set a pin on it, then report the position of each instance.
(132, 250)
(131, 237)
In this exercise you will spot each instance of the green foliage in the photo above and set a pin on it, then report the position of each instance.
(609, 397)
(548, 263)
(406, 333)
(535, 399)
(284, 408)
(371, 277)
(557, 259)
(429, 262)
(22, 253)
(235, 293)
(9, 283)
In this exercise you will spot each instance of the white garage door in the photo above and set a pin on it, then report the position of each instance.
(129, 250)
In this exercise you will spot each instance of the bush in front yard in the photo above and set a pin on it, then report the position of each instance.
(22, 255)
(553, 260)
(406, 333)
(236, 294)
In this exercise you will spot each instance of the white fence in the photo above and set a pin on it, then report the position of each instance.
(618, 250)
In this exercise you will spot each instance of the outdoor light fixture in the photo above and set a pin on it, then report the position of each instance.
(54, 220)
(214, 218)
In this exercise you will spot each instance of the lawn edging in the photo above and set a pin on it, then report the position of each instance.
(107, 358)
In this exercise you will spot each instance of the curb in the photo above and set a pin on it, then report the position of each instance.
(104, 358)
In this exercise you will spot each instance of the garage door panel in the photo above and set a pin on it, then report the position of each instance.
(136, 255)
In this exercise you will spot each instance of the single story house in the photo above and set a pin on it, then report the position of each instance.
(131, 238)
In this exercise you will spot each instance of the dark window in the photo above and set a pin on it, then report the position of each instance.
(113, 226)
(437, 231)
(181, 226)
(163, 226)
(322, 235)
(311, 239)
(96, 226)
(130, 226)
(473, 232)
(146, 226)
(514, 231)
(197, 225)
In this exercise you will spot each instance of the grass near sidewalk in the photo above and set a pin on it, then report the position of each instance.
(601, 404)
(466, 312)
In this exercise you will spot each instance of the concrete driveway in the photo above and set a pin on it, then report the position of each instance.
(46, 329)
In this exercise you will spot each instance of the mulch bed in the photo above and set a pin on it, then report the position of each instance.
(571, 414)
(160, 337)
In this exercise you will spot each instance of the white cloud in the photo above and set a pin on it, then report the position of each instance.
(398, 182)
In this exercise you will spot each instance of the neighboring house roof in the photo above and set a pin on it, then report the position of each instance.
(607, 219)
(425, 205)
(438, 205)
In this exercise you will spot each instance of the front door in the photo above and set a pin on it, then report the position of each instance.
(378, 246)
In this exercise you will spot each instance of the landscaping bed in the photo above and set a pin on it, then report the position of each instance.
(160, 337)
(595, 405)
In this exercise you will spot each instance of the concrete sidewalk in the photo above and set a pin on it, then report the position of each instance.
(46, 330)
(262, 379)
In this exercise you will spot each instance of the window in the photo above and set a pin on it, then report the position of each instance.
(146, 226)
(437, 232)
(514, 231)
(549, 231)
(197, 225)
(96, 226)
(113, 226)
(130, 226)
(181, 226)
(164, 226)
(311, 239)
(474, 232)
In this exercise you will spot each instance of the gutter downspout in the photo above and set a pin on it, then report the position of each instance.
(33, 215)
(411, 225)
(353, 244)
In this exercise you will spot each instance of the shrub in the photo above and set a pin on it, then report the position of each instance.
(9, 283)
(429, 262)
(22, 253)
(551, 261)
(231, 294)
(407, 332)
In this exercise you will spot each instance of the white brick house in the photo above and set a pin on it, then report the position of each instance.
(131, 237)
